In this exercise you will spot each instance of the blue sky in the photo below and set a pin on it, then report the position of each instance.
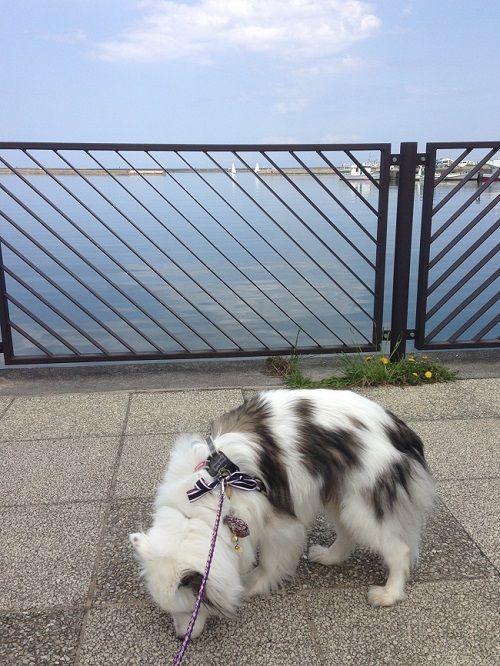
(208, 71)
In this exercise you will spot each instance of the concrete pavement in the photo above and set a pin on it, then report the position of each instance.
(79, 470)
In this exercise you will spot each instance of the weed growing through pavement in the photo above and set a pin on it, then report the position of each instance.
(361, 370)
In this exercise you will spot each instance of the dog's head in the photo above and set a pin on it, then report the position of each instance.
(173, 558)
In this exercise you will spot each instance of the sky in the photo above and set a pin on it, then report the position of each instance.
(249, 71)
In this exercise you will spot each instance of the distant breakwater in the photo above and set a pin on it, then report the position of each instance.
(264, 171)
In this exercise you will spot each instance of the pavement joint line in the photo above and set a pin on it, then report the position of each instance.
(59, 439)
(49, 610)
(192, 389)
(89, 599)
(312, 631)
(30, 505)
(466, 478)
(299, 592)
(477, 545)
(6, 409)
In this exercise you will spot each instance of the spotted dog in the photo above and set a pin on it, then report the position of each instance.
(309, 451)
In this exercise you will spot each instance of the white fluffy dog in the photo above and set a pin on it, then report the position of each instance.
(313, 450)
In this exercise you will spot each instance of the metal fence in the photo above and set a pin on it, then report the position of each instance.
(134, 252)
(154, 251)
(458, 288)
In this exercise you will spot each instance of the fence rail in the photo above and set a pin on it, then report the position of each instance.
(155, 251)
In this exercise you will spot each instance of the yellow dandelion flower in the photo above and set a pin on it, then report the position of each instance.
(384, 360)
(411, 360)
(428, 374)
(368, 359)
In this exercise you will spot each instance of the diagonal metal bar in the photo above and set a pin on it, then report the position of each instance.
(487, 328)
(193, 226)
(196, 282)
(462, 182)
(351, 187)
(338, 202)
(54, 309)
(77, 278)
(65, 293)
(461, 306)
(461, 210)
(87, 262)
(475, 317)
(230, 261)
(472, 248)
(298, 246)
(45, 326)
(264, 239)
(29, 337)
(473, 271)
(465, 205)
(362, 168)
(322, 214)
(474, 222)
(453, 165)
(312, 232)
(138, 255)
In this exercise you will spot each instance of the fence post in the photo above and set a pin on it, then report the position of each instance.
(402, 249)
(6, 341)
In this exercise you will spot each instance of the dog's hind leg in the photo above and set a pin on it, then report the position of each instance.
(341, 548)
(396, 554)
(385, 535)
(279, 555)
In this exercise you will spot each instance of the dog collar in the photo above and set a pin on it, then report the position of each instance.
(222, 469)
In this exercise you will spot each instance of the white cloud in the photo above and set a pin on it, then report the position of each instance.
(203, 29)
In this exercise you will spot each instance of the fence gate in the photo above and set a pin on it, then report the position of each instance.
(458, 285)
(128, 252)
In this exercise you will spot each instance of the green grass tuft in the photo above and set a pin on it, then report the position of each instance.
(360, 370)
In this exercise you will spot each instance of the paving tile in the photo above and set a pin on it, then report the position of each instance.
(143, 461)
(446, 623)
(56, 470)
(485, 392)
(47, 554)
(461, 449)
(118, 573)
(447, 553)
(433, 401)
(39, 638)
(272, 631)
(475, 504)
(173, 411)
(64, 416)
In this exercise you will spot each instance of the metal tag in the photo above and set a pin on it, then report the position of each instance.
(219, 466)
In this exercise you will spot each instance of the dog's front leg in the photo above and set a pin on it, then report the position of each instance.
(281, 546)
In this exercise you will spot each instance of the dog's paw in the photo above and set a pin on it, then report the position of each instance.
(381, 596)
(326, 556)
(258, 584)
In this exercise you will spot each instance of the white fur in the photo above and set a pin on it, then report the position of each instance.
(179, 539)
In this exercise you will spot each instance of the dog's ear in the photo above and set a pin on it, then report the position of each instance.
(191, 580)
(140, 542)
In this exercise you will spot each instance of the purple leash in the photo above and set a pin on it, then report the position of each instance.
(182, 650)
